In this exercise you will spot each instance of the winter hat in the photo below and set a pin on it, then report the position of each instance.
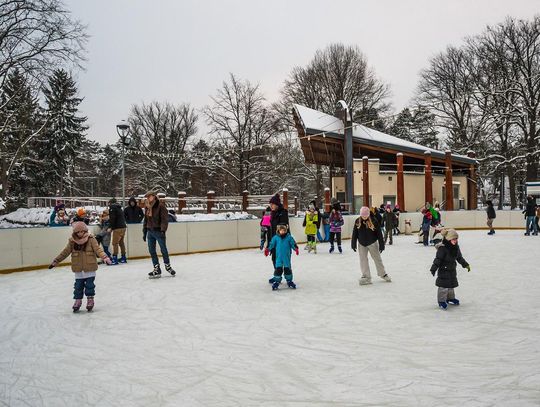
(112, 201)
(79, 227)
(150, 193)
(281, 227)
(311, 207)
(275, 200)
(388, 206)
(364, 211)
(336, 206)
(81, 212)
(449, 234)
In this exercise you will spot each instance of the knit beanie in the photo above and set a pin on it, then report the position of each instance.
(281, 227)
(275, 200)
(79, 227)
(449, 234)
(364, 211)
(81, 212)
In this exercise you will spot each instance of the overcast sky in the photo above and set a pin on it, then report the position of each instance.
(182, 50)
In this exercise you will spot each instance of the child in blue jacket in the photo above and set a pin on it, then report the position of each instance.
(283, 242)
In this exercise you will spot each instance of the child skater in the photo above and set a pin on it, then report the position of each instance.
(336, 222)
(83, 248)
(265, 227)
(283, 243)
(104, 236)
(448, 253)
(311, 222)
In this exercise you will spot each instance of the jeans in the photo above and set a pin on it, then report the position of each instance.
(152, 237)
(326, 232)
(319, 236)
(84, 285)
(106, 250)
(531, 224)
(335, 236)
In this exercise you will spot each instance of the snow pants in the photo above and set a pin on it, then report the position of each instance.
(286, 271)
(373, 250)
(445, 294)
(84, 286)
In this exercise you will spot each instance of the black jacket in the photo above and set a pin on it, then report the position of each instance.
(279, 217)
(530, 209)
(389, 220)
(445, 263)
(133, 213)
(491, 212)
(365, 236)
(116, 217)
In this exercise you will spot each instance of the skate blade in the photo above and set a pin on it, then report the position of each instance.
(153, 277)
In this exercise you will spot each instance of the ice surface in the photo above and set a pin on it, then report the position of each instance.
(216, 335)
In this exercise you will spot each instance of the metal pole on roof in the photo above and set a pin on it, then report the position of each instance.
(344, 114)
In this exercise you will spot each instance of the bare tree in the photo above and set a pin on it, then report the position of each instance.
(242, 125)
(157, 157)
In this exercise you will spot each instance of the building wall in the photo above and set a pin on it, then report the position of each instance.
(385, 184)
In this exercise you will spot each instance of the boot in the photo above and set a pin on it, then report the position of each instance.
(156, 273)
(77, 305)
(170, 270)
(89, 303)
(114, 260)
(123, 259)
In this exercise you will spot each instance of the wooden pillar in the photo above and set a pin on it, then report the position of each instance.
(448, 181)
(181, 202)
(286, 199)
(327, 207)
(472, 192)
(365, 180)
(428, 178)
(400, 182)
(210, 198)
(245, 203)
(296, 208)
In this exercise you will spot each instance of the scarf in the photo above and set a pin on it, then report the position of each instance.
(80, 241)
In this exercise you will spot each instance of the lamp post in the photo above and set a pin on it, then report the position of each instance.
(122, 129)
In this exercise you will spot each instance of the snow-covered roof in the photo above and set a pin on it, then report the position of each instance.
(315, 122)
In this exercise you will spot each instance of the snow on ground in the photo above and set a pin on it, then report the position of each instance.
(216, 335)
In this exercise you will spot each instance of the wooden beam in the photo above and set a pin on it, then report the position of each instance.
(400, 182)
(448, 182)
(428, 178)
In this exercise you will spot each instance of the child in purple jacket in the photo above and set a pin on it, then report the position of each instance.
(336, 222)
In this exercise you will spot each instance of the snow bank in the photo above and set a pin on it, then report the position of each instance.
(201, 217)
(23, 217)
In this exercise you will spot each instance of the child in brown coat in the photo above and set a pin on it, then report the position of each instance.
(83, 248)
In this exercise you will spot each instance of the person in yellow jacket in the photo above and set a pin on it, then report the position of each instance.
(311, 220)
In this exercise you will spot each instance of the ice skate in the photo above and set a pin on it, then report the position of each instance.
(114, 260)
(454, 301)
(170, 270)
(123, 259)
(340, 249)
(291, 284)
(275, 285)
(331, 249)
(90, 304)
(77, 305)
(387, 278)
(156, 273)
(365, 281)
(443, 305)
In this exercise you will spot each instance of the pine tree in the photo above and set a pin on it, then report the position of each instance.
(423, 128)
(65, 130)
(402, 125)
(19, 115)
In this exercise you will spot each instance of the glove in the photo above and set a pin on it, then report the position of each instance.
(432, 273)
(266, 252)
(296, 251)
(354, 249)
(381, 249)
(107, 260)
(468, 268)
(53, 264)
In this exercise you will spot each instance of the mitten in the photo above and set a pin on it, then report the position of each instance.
(53, 264)
(266, 251)
(107, 260)
(296, 251)
(468, 267)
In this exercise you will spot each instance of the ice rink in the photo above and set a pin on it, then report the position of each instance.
(216, 335)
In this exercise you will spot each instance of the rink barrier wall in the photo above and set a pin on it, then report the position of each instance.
(35, 248)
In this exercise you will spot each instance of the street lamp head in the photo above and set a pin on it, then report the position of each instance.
(122, 128)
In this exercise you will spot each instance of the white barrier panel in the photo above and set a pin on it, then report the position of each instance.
(33, 247)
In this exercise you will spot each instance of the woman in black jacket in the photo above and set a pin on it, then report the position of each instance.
(367, 233)
(278, 216)
(448, 253)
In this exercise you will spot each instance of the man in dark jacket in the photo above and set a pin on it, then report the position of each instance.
(491, 215)
(389, 222)
(133, 212)
(156, 222)
(530, 214)
(278, 216)
(117, 224)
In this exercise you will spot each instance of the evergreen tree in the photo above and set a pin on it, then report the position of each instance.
(64, 132)
(19, 115)
(402, 125)
(423, 128)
